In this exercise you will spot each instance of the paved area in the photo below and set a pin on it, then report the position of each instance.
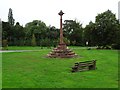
(4, 51)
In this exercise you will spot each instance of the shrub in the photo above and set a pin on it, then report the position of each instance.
(67, 41)
(33, 42)
(45, 42)
(5, 44)
(115, 46)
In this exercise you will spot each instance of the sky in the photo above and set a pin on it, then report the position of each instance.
(83, 11)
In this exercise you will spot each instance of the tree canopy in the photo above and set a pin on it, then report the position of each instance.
(104, 32)
(73, 30)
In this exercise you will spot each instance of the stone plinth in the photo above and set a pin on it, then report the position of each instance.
(61, 51)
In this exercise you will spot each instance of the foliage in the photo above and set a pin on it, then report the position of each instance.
(52, 33)
(106, 26)
(89, 34)
(18, 35)
(14, 34)
(104, 32)
(46, 42)
(11, 20)
(33, 42)
(116, 44)
(4, 44)
(67, 41)
(7, 31)
(44, 35)
(73, 30)
(38, 28)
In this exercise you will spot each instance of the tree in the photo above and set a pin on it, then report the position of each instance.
(73, 30)
(46, 42)
(90, 34)
(18, 34)
(106, 26)
(67, 41)
(33, 42)
(11, 20)
(36, 27)
(116, 44)
(7, 32)
(8, 28)
(5, 44)
(53, 34)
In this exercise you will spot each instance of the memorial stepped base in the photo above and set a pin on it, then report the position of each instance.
(62, 51)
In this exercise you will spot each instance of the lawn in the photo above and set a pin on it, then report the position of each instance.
(34, 70)
(0, 70)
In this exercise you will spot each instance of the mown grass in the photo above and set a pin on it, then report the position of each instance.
(0, 70)
(34, 70)
(39, 48)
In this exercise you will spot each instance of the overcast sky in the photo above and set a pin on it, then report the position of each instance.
(84, 11)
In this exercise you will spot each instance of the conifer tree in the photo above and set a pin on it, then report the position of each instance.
(10, 17)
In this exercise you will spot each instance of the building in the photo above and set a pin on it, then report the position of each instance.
(119, 11)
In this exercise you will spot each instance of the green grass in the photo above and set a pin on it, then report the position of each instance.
(34, 70)
(39, 48)
(0, 70)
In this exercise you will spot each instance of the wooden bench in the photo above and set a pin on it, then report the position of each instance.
(84, 66)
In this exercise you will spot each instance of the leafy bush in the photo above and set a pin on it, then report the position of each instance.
(5, 44)
(115, 46)
(67, 41)
(33, 41)
(45, 42)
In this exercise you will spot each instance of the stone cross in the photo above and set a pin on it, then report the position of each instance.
(61, 31)
(61, 51)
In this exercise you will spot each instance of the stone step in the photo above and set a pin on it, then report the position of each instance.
(62, 51)
(71, 53)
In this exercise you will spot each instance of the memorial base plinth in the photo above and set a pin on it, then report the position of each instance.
(61, 51)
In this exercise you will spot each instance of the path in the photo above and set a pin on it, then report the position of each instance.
(3, 51)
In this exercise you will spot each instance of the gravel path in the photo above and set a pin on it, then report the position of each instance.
(4, 51)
